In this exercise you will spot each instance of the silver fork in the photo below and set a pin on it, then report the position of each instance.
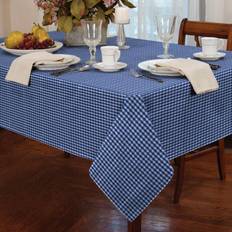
(137, 74)
(70, 69)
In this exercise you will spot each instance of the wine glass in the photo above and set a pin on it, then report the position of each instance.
(166, 28)
(92, 36)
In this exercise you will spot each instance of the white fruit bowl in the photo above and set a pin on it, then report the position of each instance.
(20, 52)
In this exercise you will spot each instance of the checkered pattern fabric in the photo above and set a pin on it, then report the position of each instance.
(130, 127)
(133, 158)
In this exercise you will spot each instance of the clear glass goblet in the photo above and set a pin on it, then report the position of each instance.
(92, 30)
(165, 29)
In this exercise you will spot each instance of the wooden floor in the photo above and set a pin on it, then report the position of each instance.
(42, 191)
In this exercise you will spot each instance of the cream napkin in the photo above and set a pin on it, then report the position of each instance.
(198, 73)
(20, 69)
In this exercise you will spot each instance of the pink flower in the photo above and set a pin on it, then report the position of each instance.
(51, 7)
(109, 3)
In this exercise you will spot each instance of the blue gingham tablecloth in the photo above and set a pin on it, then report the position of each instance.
(130, 127)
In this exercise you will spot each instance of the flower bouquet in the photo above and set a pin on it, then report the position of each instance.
(67, 14)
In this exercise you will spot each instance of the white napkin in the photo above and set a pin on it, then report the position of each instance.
(198, 73)
(20, 69)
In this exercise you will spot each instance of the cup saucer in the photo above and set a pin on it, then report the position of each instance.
(102, 67)
(201, 56)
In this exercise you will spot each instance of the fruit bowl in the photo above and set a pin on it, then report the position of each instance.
(18, 52)
(19, 43)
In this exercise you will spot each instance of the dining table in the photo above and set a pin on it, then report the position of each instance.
(130, 127)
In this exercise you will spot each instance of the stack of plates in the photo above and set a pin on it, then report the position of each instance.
(150, 66)
(57, 65)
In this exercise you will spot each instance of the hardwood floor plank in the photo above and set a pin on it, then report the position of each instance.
(40, 190)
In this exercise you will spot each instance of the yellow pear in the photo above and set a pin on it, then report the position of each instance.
(35, 28)
(14, 39)
(41, 34)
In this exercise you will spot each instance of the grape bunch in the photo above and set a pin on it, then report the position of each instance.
(31, 42)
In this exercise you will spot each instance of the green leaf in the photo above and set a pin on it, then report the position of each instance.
(110, 11)
(100, 14)
(68, 24)
(91, 3)
(112, 18)
(60, 23)
(65, 24)
(128, 4)
(77, 8)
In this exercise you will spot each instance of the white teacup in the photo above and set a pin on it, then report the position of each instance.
(110, 55)
(210, 46)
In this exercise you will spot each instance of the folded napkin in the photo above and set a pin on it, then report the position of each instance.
(20, 69)
(198, 73)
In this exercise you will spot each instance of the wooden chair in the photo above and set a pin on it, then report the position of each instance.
(197, 29)
(207, 29)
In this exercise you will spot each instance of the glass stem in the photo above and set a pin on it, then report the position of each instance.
(121, 40)
(166, 46)
(92, 51)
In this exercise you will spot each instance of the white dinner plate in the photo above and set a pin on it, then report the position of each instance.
(217, 56)
(59, 65)
(149, 65)
(19, 52)
(118, 66)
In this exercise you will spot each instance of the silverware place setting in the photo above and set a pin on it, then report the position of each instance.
(71, 69)
(144, 74)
